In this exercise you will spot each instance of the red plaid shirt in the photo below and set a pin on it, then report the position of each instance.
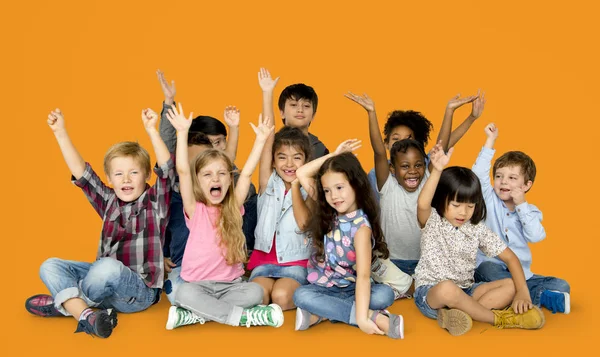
(133, 232)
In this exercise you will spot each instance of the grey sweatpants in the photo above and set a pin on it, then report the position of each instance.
(222, 302)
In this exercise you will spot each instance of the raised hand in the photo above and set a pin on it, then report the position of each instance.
(168, 90)
(264, 128)
(177, 119)
(439, 159)
(348, 146)
(231, 116)
(364, 101)
(491, 131)
(457, 102)
(478, 105)
(56, 120)
(149, 117)
(265, 81)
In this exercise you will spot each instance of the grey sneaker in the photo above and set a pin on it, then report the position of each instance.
(181, 317)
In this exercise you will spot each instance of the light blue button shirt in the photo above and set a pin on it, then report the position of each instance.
(516, 228)
(276, 219)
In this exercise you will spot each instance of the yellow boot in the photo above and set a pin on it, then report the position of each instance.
(457, 322)
(508, 318)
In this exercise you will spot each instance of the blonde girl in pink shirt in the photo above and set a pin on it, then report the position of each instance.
(215, 250)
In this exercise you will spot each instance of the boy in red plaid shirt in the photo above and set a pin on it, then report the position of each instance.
(127, 275)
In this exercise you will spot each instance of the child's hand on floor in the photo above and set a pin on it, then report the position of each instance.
(56, 120)
(364, 101)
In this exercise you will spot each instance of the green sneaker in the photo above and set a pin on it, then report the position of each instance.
(181, 317)
(262, 315)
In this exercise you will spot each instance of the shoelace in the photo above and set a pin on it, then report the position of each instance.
(257, 317)
(190, 318)
(505, 317)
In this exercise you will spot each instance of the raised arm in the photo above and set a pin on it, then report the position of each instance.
(382, 167)
(439, 160)
(149, 117)
(182, 125)
(263, 131)
(74, 161)
(232, 119)
(477, 109)
(306, 173)
(167, 132)
(267, 85)
(483, 163)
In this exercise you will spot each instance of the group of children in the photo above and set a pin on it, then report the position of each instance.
(319, 234)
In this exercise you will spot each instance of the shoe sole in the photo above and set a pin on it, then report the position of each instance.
(172, 317)
(567, 303)
(457, 322)
(105, 323)
(400, 327)
(277, 308)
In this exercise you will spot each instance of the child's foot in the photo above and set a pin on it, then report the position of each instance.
(530, 320)
(303, 319)
(396, 324)
(556, 301)
(181, 317)
(457, 322)
(99, 323)
(261, 315)
(42, 305)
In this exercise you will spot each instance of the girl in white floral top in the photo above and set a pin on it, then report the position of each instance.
(451, 212)
(346, 236)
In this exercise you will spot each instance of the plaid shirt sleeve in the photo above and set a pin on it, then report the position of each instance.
(160, 192)
(94, 189)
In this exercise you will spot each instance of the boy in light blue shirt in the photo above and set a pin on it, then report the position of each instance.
(515, 221)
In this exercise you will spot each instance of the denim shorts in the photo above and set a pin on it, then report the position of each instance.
(295, 272)
(420, 297)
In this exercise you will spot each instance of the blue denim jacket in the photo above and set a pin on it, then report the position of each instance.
(276, 218)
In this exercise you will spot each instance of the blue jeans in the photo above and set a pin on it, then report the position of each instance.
(420, 296)
(250, 219)
(338, 304)
(173, 282)
(488, 271)
(106, 283)
(407, 266)
(275, 271)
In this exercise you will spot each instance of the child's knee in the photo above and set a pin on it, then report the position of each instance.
(301, 296)
(255, 293)
(448, 292)
(508, 286)
(50, 267)
(382, 297)
(282, 297)
(102, 273)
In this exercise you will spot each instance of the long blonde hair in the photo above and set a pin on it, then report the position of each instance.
(230, 218)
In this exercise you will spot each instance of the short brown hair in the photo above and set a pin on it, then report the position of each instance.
(517, 158)
(131, 149)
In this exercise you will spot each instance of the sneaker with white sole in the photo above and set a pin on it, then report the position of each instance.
(556, 301)
(262, 315)
(181, 317)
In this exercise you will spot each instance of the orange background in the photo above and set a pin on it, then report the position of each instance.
(96, 60)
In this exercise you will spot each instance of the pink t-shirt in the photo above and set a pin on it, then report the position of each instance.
(203, 258)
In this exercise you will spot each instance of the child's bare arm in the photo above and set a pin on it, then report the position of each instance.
(74, 161)
(362, 245)
(305, 173)
(478, 103)
(182, 125)
(522, 301)
(439, 160)
(263, 131)
(382, 167)
(299, 206)
(149, 117)
(267, 84)
(232, 119)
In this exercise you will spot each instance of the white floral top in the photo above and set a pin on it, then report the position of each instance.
(449, 253)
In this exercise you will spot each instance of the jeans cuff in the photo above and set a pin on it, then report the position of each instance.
(234, 316)
(67, 294)
(352, 320)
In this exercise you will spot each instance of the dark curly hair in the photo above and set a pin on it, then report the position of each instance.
(324, 215)
(420, 125)
(403, 146)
